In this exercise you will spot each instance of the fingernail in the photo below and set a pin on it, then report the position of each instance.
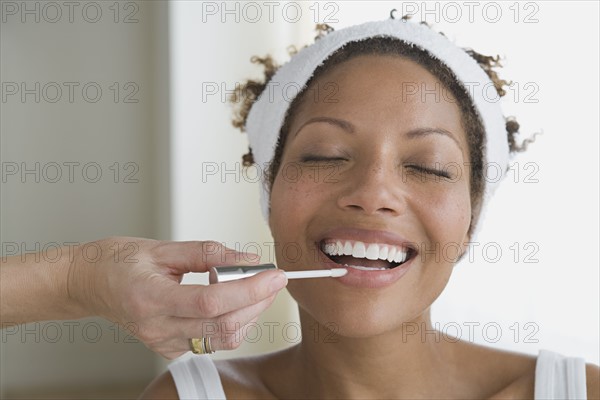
(252, 257)
(278, 282)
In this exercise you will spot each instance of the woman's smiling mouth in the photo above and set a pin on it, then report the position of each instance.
(364, 256)
(374, 259)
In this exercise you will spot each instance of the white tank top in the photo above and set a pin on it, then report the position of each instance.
(556, 377)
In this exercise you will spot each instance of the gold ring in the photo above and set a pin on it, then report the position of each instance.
(201, 345)
(208, 346)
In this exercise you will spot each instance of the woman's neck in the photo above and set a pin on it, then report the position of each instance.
(414, 361)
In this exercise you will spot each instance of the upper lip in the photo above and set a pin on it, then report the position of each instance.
(367, 236)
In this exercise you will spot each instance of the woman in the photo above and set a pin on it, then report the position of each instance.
(389, 151)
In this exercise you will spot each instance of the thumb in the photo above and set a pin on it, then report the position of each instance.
(199, 256)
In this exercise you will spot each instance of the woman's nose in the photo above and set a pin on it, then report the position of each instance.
(374, 187)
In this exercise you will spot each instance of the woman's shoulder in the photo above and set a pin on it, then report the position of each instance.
(592, 373)
(242, 378)
(189, 376)
(239, 378)
(515, 375)
(256, 376)
(504, 373)
(162, 387)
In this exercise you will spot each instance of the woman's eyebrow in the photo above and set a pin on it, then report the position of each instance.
(420, 132)
(349, 127)
(345, 125)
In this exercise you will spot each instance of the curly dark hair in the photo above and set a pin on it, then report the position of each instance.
(246, 94)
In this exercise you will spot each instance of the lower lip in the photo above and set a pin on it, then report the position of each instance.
(373, 279)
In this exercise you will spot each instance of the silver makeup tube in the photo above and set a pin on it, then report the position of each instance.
(232, 273)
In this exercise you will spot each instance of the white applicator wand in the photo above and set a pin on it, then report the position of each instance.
(232, 273)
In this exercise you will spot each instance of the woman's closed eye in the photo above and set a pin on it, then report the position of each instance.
(415, 167)
(431, 171)
(318, 158)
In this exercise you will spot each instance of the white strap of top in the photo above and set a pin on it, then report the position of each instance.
(559, 377)
(196, 377)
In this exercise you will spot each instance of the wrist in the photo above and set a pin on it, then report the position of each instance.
(35, 289)
(70, 283)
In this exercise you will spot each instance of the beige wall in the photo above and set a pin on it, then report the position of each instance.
(104, 132)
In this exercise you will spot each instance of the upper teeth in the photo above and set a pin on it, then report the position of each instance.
(371, 251)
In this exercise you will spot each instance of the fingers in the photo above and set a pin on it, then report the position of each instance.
(232, 342)
(227, 332)
(197, 256)
(171, 313)
(207, 302)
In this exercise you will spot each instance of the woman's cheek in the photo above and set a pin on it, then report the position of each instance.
(447, 216)
(300, 189)
(291, 198)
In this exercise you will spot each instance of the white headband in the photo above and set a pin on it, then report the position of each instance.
(268, 113)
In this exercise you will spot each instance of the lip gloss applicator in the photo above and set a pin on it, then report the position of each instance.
(232, 273)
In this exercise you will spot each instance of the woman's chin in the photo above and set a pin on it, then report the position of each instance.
(349, 323)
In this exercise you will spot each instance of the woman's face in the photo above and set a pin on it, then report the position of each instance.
(351, 177)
